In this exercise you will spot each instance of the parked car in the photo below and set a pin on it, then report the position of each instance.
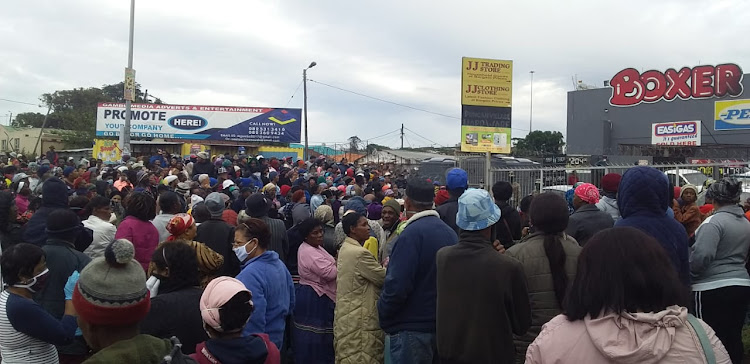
(687, 176)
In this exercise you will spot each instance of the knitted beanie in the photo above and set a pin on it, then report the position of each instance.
(111, 290)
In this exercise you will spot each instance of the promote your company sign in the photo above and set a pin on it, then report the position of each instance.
(229, 123)
(732, 114)
(676, 133)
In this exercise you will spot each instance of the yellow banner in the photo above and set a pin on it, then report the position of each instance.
(483, 139)
(107, 150)
(486, 82)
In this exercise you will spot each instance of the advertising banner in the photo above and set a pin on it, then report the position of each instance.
(486, 98)
(676, 133)
(196, 122)
(732, 114)
(107, 150)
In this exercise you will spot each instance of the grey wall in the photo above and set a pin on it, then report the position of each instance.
(588, 123)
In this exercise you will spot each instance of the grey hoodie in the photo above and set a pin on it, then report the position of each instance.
(609, 205)
(721, 245)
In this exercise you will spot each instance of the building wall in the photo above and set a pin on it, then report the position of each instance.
(588, 126)
(23, 140)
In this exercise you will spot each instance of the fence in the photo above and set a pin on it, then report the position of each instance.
(527, 180)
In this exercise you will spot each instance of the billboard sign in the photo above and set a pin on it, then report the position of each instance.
(732, 114)
(107, 150)
(631, 87)
(197, 122)
(486, 98)
(676, 133)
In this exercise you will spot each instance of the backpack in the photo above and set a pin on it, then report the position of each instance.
(176, 356)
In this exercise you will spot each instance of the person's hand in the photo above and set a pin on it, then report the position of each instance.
(386, 261)
(499, 247)
(524, 232)
(71, 285)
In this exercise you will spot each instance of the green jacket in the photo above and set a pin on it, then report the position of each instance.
(142, 349)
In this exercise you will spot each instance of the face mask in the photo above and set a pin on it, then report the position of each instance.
(36, 283)
(242, 253)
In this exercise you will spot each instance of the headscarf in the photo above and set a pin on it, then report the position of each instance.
(324, 214)
(725, 191)
(587, 193)
(178, 225)
(269, 187)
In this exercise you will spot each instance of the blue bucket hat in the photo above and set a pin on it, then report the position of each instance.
(476, 210)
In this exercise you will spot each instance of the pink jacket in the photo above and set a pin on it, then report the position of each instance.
(317, 269)
(143, 235)
(638, 338)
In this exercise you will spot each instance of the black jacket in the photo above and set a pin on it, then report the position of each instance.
(178, 314)
(62, 260)
(507, 234)
(587, 221)
(204, 168)
(54, 197)
(479, 291)
(448, 211)
(219, 236)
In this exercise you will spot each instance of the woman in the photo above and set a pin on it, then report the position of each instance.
(626, 305)
(182, 227)
(357, 334)
(28, 333)
(265, 274)
(721, 284)
(99, 210)
(115, 200)
(140, 209)
(175, 310)
(10, 230)
(314, 297)
(689, 215)
(549, 258)
(226, 306)
(324, 214)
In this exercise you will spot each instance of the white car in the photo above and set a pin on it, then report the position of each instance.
(687, 176)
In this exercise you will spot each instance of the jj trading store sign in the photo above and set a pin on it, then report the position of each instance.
(486, 97)
(630, 87)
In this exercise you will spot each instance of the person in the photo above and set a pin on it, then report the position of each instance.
(10, 229)
(111, 300)
(175, 310)
(54, 197)
(296, 211)
(376, 242)
(263, 273)
(608, 202)
(140, 209)
(391, 220)
(258, 206)
(51, 155)
(356, 334)
(99, 210)
(587, 220)
(203, 165)
(317, 198)
(608, 318)
(495, 304)
(721, 284)
(324, 214)
(406, 307)
(226, 306)
(169, 204)
(29, 333)
(315, 297)
(456, 182)
(508, 229)
(218, 235)
(688, 214)
(643, 198)
(182, 228)
(549, 258)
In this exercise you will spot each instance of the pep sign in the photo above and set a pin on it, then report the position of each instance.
(676, 133)
(630, 87)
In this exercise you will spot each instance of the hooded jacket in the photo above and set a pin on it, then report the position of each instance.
(720, 250)
(630, 338)
(54, 197)
(609, 205)
(643, 198)
(253, 349)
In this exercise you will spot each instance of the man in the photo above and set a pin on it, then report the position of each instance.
(508, 229)
(588, 219)
(54, 197)
(204, 166)
(52, 155)
(218, 235)
(391, 218)
(257, 207)
(406, 307)
(70, 174)
(608, 202)
(479, 290)
(456, 182)
(170, 205)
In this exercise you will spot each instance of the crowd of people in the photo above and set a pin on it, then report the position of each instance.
(243, 259)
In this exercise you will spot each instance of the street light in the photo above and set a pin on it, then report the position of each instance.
(531, 103)
(304, 92)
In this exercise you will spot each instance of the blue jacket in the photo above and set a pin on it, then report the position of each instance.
(643, 198)
(273, 295)
(409, 298)
(54, 197)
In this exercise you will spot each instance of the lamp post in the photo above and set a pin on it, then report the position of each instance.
(531, 102)
(126, 129)
(304, 92)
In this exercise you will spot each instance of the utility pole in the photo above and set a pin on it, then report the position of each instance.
(10, 118)
(145, 97)
(402, 136)
(304, 92)
(531, 102)
(44, 123)
(126, 130)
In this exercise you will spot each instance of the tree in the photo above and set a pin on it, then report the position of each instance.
(29, 120)
(538, 143)
(354, 142)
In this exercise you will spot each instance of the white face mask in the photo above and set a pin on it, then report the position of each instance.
(36, 283)
(242, 253)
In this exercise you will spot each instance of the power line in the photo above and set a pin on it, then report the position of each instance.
(431, 141)
(294, 93)
(20, 102)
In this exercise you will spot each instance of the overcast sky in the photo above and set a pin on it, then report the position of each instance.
(251, 53)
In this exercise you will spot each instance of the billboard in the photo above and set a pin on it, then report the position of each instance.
(486, 98)
(197, 122)
(676, 133)
(631, 87)
(107, 150)
(732, 114)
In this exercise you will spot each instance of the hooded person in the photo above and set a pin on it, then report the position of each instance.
(258, 206)
(54, 197)
(608, 202)
(588, 219)
(111, 300)
(688, 214)
(218, 235)
(456, 182)
(495, 304)
(643, 197)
